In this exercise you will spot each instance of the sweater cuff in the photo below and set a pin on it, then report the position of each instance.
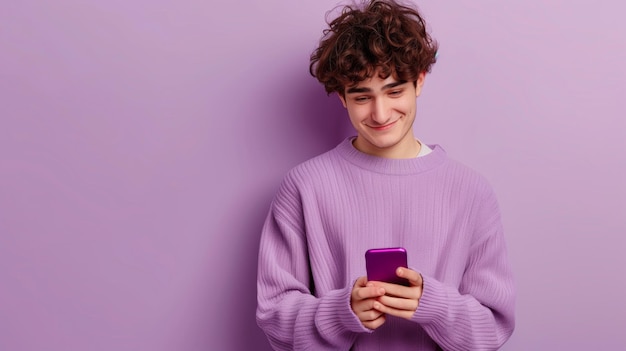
(335, 315)
(433, 305)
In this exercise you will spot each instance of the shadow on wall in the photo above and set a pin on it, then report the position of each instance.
(302, 122)
(324, 120)
(313, 123)
(299, 120)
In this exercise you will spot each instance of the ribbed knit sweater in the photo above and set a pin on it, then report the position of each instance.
(331, 209)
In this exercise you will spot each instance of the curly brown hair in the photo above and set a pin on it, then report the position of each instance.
(380, 34)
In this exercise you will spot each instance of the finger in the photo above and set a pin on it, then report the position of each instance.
(376, 323)
(369, 315)
(360, 282)
(398, 303)
(357, 293)
(412, 276)
(407, 292)
(369, 292)
(362, 306)
(406, 314)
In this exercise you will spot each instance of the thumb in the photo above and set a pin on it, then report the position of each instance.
(361, 281)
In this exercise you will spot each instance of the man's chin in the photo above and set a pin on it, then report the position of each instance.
(381, 145)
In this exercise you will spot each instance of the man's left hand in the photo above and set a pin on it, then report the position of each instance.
(400, 301)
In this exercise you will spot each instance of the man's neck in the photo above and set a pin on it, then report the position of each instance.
(407, 148)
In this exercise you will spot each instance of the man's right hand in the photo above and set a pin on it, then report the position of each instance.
(362, 302)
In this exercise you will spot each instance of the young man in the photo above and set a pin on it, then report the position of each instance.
(382, 188)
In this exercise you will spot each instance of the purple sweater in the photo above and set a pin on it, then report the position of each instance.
(334, 207)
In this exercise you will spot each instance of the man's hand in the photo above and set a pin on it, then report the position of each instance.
(362, 300)
(400, 301)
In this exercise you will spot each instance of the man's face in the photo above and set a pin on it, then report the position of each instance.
(383, 111)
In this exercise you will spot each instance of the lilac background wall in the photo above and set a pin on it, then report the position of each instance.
(141, 143)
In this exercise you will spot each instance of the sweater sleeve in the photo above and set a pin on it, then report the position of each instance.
(479, 314)
(287, 311)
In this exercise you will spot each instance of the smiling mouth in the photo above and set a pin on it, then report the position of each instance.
(385, 127)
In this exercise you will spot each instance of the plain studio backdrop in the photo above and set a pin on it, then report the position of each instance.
(141, 143)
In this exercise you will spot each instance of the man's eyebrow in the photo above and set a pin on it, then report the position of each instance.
(356, 90)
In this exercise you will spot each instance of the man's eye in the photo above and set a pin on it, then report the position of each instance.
(395, 92)
(361, 98)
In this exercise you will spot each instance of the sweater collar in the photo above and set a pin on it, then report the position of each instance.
(389, 165)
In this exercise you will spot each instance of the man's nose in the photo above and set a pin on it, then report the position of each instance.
(381, 113)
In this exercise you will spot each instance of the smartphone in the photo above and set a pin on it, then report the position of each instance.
(381, 264)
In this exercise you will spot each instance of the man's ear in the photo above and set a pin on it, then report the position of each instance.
(343, 100)
(419, 83)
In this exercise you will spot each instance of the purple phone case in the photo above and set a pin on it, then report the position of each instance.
(381, 264)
